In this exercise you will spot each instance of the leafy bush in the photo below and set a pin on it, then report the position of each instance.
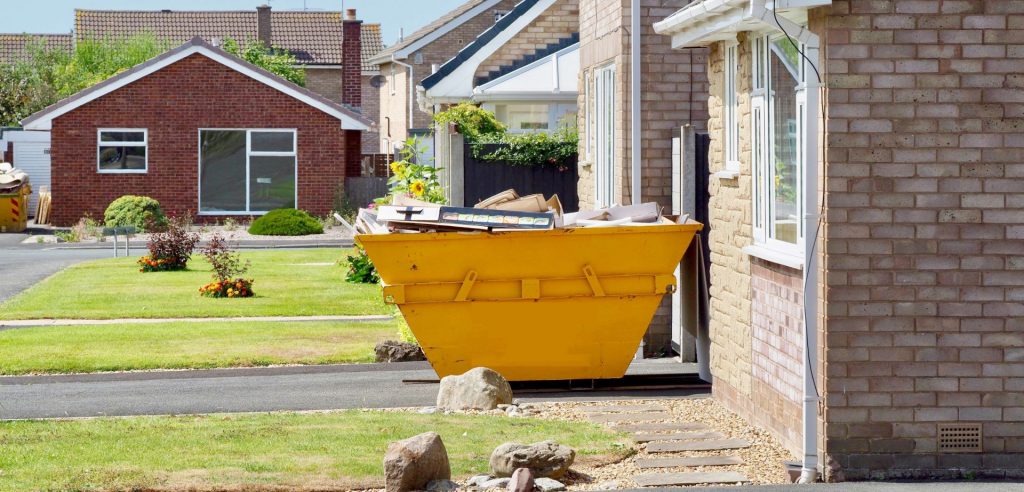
(227, 270)
(472, 121)
(286, 222)
(360, 268)
(413, 180)
(171, 249)
(142, 212)
(534, 149)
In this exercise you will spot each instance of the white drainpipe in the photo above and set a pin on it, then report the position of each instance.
(634, 124)
(810, 226)
(412, 94)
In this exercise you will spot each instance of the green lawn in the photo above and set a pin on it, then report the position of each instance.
(287, 283)
(336, 450)
(193, 345)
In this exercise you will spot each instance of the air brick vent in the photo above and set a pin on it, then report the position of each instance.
(960, 438)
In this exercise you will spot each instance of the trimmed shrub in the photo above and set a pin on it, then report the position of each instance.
(170, 249)
(286, 222)
(142, 212)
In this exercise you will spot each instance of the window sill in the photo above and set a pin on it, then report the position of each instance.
(727, 174)
(217, 214)
(126, 171)
(774, 256)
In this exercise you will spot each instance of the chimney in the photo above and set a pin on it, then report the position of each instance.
(264, 33)
(352, 60)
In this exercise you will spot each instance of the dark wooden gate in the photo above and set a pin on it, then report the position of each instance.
(702, 197)
(485, 178)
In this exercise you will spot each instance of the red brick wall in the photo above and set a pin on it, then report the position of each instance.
(352, 63)
(173, 104)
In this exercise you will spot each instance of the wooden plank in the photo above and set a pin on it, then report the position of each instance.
(678, 436)
(627, 408)
(683, 461)
(675, 446)
(657, 427)
(629, 417)
(664, 479)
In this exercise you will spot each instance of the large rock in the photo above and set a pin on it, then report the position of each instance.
(544, 459)
(410, 464)
(392, 351)
(522, 481)
(478, 389)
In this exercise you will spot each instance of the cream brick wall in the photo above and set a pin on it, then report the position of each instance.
(394, 110)
(559, 21)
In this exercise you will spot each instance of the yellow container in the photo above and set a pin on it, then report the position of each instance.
(14, 210)
(532, 305)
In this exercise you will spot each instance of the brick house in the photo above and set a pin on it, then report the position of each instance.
(201, 131)
(405, 64)
(524, 68)
(315, 38)
(910, 147)
(672, 92)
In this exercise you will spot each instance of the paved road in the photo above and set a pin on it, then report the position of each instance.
(21, 266)
(864, 487)
(238, 390)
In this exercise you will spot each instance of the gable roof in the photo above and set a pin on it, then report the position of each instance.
(350, 120)
(434, 30)
(313, 37)
(14, 47)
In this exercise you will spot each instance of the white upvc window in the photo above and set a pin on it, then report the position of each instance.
(590, 123)
(778, 116)
(247, 171)
(731, 125)
(604, 119)
(122, 150)
(392, 81)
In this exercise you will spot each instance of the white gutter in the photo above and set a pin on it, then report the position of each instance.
(811, 399)
(634, 81)
(412, 89)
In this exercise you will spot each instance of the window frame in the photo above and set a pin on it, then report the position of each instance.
(762, 103)
(731, 123)
(249, 153)
(604, 178)
(100, 144)
(392, 81)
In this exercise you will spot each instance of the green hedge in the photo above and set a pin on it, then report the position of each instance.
(286, 222)
(142, 212)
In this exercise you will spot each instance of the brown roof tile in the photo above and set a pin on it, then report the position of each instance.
(313, 37)
(14, 47)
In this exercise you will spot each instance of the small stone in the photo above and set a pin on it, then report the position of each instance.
(495, 483)
(393, 351)
(521, 481)
(476, 480)
(479, 388)
(496, 412)
(513, 412)
(428, 410)
(410, 464)
(610, 485)
(504, 406)
(544, 459)
(442, 486)
(548, 485)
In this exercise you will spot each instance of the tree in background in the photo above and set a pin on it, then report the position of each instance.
(50, 74)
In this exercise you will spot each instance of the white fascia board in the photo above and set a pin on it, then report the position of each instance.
(566, 97)
(540, 79)
(714, 29)
(45, 120)
(25, 136)
(404, 53)
(459, 83)
(796, 4)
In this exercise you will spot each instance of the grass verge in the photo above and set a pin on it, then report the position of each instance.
(309, 451)
(188, 345)
(304, 282)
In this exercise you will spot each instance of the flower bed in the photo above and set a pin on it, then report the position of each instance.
(239, 287)
(149, 264)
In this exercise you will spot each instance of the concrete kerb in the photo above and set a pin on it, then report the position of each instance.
(35, 323)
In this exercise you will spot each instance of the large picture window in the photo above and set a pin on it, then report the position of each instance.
(121, 150)
(778, 126)
(246, 171)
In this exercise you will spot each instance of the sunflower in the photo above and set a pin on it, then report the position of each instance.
(417, 188)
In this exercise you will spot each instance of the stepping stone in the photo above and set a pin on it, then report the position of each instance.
(645, 463)
(657, 427)
(629, 417)
(627, 408)
(680, 436)
(663, 479)
(674, 446)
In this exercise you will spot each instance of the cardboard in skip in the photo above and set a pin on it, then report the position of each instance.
(460, 218)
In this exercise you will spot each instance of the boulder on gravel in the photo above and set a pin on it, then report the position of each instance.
(392, 351)
(522, 481)
(478, 389)
(544, 459)
(410, 464)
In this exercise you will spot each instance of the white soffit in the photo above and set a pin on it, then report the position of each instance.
(551, 77)
(707, 21)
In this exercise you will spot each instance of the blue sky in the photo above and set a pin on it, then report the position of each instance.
(58, 15)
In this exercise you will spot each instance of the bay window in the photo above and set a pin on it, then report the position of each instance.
(777, 132)
(246, 171)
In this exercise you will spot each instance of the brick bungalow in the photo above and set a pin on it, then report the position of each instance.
(911, 144)
(406, 63)
(315, 38)
(673, 92)
(201, 131)
(524, 68)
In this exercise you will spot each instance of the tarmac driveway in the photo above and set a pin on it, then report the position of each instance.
(21, 266)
